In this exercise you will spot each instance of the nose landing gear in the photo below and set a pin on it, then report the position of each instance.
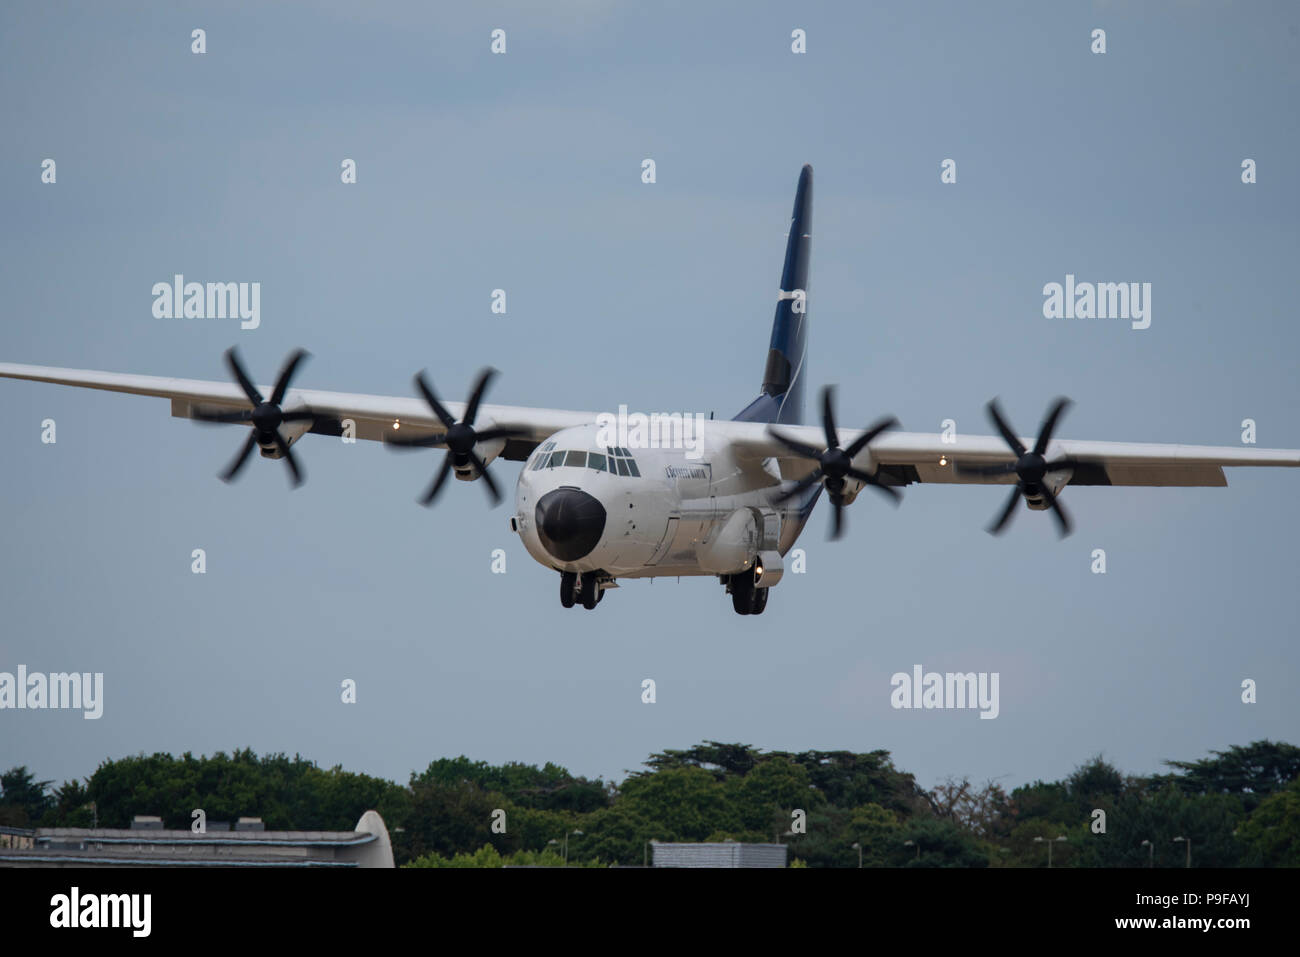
(584, 588)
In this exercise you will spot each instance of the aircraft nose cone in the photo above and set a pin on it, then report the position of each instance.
(569, 523)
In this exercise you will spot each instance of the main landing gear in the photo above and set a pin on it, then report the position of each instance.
(584, 588)
(746, 599)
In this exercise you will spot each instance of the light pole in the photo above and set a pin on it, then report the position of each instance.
(1188, 842)
(1043, 840)
(858, 847)
(566, 844)
(1151, 853)
(915, 844)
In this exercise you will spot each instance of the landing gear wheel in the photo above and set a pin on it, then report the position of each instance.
(590, 591)
(742, 593)
(567, 581)
(760, 601)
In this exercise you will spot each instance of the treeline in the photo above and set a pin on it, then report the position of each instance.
(1239, 807)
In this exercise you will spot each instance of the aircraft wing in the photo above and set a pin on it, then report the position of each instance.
(906, 457)
(373, 416)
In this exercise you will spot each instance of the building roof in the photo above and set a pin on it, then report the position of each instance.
(104, 835)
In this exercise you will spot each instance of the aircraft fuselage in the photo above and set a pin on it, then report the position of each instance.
(646, 512)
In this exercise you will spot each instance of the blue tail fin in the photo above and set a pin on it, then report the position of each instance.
(781, 399)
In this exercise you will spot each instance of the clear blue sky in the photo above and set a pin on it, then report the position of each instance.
(523, 172)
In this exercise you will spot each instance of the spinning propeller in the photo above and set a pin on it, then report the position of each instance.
(1030, 466)
(460, 437)
(265, 415)
(834, 464)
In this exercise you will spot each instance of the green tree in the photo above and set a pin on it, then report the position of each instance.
(449, 819)
(686, 802)
(550, 787)
(71, 807)
(23, 799)
(766, 797)
(1207, 820)
(722, 760)
(937, 843)
(1252, 772)
(1271, 835)
(848, 780)
(619, 833)
(877, 830)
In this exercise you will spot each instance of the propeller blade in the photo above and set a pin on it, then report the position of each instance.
(812, 478)
(286, 373)
(214, 415)
(828, 418)
(476, 396)
(245, 383)
(890, 491)
(425, 390)
(494, 493)
(863, 440)
(1012, 502)
(415, 441)
(1062, 517)
(795, 446)
(238, 461)
(436, 487)
(298, 415)
(837, 520)
(1005, 468)
(289, 458)
(995, 413)
(893, 494)
(1049, 425)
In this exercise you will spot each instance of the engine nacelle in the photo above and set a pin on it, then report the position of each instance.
(290, 431)
(1056, 481)
(733, 546)
(487, 451)
(852, 487)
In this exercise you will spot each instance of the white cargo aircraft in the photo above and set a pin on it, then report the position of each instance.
(729, 501)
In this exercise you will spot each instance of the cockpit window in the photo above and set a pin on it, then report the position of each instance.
(615, 462)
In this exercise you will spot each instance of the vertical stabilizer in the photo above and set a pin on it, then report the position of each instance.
(781, 399)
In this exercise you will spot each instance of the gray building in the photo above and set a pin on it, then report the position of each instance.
(248, 844)
(16, 836)
(725, 854)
